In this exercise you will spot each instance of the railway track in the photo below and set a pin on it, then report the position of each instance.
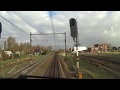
(28, 69)
(115, 61)
(53, 70)
(58, 69)
(99, 63)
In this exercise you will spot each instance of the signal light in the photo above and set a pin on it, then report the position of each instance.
(0, 27)
(73, 27)
(72, 22)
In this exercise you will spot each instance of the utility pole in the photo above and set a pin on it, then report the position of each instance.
(1, 48)
(65, 48)
(0, 60)
(74, 34)
(30, 47)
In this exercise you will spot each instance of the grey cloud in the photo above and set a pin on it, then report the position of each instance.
(93, 26)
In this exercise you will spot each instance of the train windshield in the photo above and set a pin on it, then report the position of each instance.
(59, 45)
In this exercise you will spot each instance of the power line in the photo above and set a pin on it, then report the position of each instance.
(27, 23)
(52, 25)
(17, 13)
(14, 25)
(30, 24)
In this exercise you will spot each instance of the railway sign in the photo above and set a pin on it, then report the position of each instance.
(73, 28)
(0, 29)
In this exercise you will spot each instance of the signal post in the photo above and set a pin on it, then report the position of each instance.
(74, 35)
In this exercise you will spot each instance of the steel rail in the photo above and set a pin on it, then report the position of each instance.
(27, 69)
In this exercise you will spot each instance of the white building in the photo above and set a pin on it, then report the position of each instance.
(79, 49)
(9, 53)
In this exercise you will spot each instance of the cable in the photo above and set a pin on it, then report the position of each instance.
(52, 26)
(25, 20)
(13, 24)
(17, 13)
(27, 23)
(16, 26)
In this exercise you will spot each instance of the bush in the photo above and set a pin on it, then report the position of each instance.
(5, 56)
(43, 53)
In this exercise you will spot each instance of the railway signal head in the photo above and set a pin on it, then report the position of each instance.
(72, 22)
(73, 27)
(0, 29)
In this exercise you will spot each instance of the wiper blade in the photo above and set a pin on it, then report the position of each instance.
(39, 77)
(34, 77)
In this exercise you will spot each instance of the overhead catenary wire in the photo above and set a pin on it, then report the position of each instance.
(13, 24)
(16, 27)
(52, 26)
(19, 15)
(22, 30)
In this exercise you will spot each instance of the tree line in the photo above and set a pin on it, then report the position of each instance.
(23, 47)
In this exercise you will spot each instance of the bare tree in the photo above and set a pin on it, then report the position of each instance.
(10, 43)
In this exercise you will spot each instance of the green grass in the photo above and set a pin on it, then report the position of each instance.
(3, 63)
(4, 71)
(95, 72)
(104, 55)
(90, 71)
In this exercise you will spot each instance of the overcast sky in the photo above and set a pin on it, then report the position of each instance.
(93, 27)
